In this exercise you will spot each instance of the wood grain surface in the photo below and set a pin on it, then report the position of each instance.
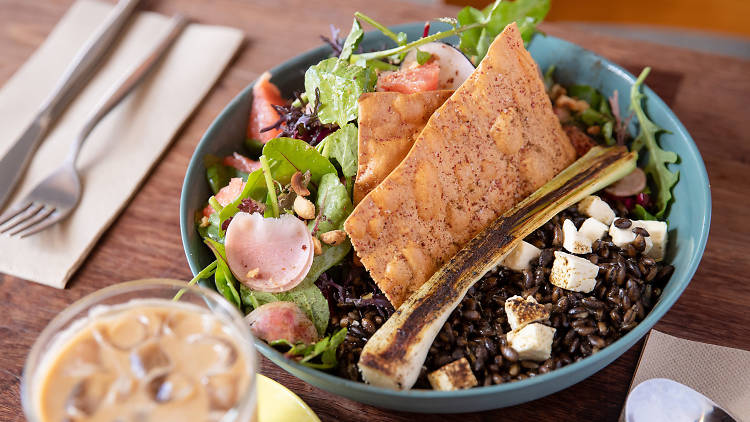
(710, 94)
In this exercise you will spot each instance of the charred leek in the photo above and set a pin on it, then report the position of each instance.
(393, 356)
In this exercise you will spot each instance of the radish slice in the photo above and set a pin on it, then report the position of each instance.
(455, 68)
(268, 254)
(282, 321)
(630, 185)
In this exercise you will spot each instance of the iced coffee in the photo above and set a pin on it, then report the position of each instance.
(144, 360)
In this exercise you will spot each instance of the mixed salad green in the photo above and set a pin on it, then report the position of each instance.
(318, 140)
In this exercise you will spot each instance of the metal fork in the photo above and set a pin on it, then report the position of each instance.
(56, 196)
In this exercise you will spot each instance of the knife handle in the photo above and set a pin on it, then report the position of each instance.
(85, 62)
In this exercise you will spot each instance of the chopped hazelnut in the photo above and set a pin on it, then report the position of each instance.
(571, 103)
(304, 208)
(556, 91)
(594, 130)
(333, 237)
(298, 185)
(317, 247)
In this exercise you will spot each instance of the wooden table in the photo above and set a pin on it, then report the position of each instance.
(708, 93)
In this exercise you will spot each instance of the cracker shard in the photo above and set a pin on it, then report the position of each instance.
(492, 143)
(389, 123)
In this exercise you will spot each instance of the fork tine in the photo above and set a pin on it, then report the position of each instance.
(50, 220)
(39, 217)
(13, 211)
(23, 216)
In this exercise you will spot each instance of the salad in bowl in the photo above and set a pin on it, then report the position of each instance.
(440, 215)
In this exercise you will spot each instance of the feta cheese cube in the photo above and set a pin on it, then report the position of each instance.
(657, 231)
(574, 273)
(593, 229)
(596, 207)
(579, 241)
(519, 258)
(456, 375)
(532, 342)
(572, 242)
(621, 237)
(522, 311)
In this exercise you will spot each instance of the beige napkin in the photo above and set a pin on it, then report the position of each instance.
(118, 155)
(720, 373)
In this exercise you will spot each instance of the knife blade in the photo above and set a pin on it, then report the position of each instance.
(78, 73)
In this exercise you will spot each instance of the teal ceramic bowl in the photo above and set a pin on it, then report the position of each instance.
(689, 220)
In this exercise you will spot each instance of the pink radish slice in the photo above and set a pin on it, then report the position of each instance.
(282, 321)
(268, 254)
(630, 185)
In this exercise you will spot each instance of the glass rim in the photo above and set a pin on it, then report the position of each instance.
(66, 316)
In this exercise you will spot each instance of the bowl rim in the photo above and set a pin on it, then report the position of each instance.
(605, 356)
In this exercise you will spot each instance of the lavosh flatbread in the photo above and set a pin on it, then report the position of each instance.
(389, 123)
(492, 143)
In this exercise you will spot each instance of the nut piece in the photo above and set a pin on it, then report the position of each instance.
(333, 237)
(571, 103)
(317, 247)
(298, 185)
(456, 375)
(253, 273)
(304, 208)
(205, 222)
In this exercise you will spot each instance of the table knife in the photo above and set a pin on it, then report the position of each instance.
(78, 73)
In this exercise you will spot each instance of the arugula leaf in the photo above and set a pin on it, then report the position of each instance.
(342, 147)
(494, 18)
(324, 348)
(223, 276)
(218, 174)
(352, 40)
(657, 158)
(340, 84)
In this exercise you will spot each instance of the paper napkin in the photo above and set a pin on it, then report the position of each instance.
(720, 373)
(122, 149)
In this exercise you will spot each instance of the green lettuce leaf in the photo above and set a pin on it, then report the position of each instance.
(218, 174)
(656, 158)
(339, 85)
(223, 277)
(352, 40)
(342, 147)
(285, 157)
(333, 203)
(495, 17)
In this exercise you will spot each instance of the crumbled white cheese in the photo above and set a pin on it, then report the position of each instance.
(532, 342)
(579, 241)
(519, 258)
(595, 207)
(456, 375)
(522, 311)
(657, 231)
(574, 273)
(621, 237)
